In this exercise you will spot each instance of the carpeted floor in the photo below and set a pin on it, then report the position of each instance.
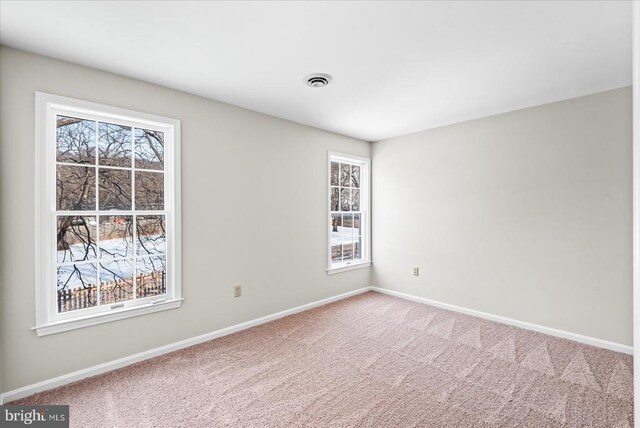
(367, 361)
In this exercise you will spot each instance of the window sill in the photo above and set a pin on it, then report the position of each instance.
(134, 311)
(347, 268)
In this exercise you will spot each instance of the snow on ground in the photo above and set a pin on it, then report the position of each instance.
(344, 235)
(151, 244)
(71, 273)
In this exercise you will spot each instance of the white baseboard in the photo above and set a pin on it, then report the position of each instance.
(125, 361)
(612, 346)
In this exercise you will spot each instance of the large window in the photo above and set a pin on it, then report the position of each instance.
(108, 213)
(348, 212)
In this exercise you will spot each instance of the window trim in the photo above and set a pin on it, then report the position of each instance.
(48, 321)
(365, 209)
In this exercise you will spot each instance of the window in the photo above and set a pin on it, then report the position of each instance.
(349, 245)
(107, 224)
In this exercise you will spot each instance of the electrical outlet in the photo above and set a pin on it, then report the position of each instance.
(237, 291)
(416, 271)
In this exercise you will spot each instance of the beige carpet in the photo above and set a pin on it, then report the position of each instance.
(368, 361)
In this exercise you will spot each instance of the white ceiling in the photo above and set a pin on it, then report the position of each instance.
(398, 67)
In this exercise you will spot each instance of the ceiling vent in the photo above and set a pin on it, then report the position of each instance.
(318, 80)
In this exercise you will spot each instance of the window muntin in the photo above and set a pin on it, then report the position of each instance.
(107, 212)
(348, 211)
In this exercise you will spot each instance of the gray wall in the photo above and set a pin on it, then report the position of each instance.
(526, 214)
(254, 213)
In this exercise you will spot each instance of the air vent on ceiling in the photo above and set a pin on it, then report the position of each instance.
(318, 80)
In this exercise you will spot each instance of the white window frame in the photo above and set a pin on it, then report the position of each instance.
(48, 320)
(365, 209)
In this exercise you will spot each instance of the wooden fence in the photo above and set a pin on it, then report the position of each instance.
(111, 292)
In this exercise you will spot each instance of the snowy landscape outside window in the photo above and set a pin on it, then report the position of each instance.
(348, 211)
(112, 219)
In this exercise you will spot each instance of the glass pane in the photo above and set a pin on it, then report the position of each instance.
(356, 249)
(336, 253)
(334, 173)
(345, 173)
(347, 252)
(335, 192)
(76, 286)
(336, 230)
(75, 140)
(152, 237)
(76, 238)
(114, 145)
(355, 176)
(357, 226)
(149, 190)
(75, 188)
(115, 189)
(345, 200)
(149, 149)
(151, 276)
(355, 199)
(116, 281)
(116, 236)
(347, 228)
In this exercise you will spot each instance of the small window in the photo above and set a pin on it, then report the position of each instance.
(108, 213)
(349, 244)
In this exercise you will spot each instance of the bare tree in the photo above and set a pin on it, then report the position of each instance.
(114, 145)
(149, 149)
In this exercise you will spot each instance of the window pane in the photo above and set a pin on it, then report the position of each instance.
(116, 236)
(345, 174)
(335, 199)
(336, 253)
(149, 149)
(345, 200)
(355, 199)
(334, 173)
(75, 188)
(355, 176)
(357, 236)
(114, 145)
(151, 276)
(356, 249)
(75, 140)
(336, 237)
(357, 226)
(347, 228)
(76, 286)
(116, 281)
(115, 189)
(152, 237)
(76, 238)
(347, 252)
(149, 190)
